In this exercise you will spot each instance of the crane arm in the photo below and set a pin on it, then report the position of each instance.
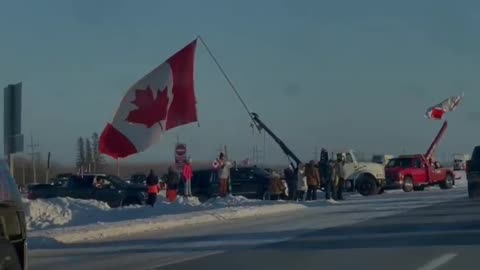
(260, 125)
(435, 142)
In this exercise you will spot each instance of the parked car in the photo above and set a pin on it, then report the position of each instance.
(414, 172)
(139, 178)
(250, 182)
(473, 174)
(13, 233)
(113, 190)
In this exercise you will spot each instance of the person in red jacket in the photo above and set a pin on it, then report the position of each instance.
(187, 175)
(153, 188)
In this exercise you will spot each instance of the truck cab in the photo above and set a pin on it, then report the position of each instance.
(366, 177)
(415, 172)
(459, 161)
(13, 233)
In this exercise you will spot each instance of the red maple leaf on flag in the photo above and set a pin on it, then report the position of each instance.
(150, 110)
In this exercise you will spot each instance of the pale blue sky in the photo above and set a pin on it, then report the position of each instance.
(327, 73)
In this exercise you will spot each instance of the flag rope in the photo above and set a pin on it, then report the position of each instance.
(226, 76)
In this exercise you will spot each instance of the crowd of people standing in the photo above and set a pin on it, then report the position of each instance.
(310, 177)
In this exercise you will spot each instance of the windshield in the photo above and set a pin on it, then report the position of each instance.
(399, 163)
(377, 159)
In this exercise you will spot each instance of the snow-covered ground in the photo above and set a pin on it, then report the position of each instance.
(69, 220)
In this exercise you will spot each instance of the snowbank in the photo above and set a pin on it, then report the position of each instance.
(121, 222)
(69, 220)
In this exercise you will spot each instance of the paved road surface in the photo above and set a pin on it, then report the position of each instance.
(421, 230)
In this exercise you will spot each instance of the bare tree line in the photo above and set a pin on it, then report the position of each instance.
(89, 159)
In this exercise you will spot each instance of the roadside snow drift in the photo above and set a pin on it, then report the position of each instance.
(69, 220)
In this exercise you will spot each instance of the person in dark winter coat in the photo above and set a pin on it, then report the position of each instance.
(173, 181)
(291, 178)
(313, 180)
(153, 188)
(326, 173)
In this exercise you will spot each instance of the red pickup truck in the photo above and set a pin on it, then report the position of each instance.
(414, 172)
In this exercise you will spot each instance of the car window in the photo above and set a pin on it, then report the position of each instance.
(13, 226)
(418, 163)
(81, 182)
(348, 158)
(8, 188)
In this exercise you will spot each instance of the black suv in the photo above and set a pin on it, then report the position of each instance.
(13, 234)
(473, 174)
(250, 182)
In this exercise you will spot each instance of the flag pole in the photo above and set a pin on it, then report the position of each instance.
(226, 76)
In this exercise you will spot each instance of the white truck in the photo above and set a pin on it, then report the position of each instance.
(368, 178)
(459, 161)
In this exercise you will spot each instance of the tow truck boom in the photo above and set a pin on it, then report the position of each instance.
(260, 125)
(435, 142)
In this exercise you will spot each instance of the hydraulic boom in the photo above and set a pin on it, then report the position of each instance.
(435, 142)
(260, 125)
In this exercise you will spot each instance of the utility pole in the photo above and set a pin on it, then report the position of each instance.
(33, 153)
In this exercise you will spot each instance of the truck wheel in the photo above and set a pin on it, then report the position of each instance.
(473, 190)
(419, 188)
(448, 183)
(367, 185)
(408, 184)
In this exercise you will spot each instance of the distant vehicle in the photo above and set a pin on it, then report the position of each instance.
(139, 178)
(13, 233)
(415, 172)
(367, 178)
(460, 161)
(113, 190)
(381, 159)
(250, 182)
(473, 174)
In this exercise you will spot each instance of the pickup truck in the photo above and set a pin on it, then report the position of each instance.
(106, 188)
(414, 172)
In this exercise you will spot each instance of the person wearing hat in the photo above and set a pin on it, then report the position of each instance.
(338, 177)
(313, 180)
(326, 171)
(224, 174)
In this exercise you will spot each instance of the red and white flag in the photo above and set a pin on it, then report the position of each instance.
(161, 100)
(438, 111)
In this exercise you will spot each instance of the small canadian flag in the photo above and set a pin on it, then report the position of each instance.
(438, 111)
(161, 100)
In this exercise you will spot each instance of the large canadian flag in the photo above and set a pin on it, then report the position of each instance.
(161, 100)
